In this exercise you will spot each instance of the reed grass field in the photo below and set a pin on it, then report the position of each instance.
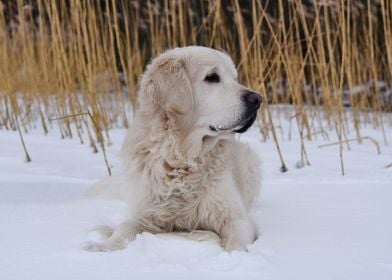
(74, 65)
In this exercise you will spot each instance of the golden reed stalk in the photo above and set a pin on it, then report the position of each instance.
(64, 58)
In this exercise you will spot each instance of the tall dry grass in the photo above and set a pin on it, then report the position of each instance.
(79, 61)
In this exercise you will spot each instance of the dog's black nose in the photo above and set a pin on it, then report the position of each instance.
(252, 98)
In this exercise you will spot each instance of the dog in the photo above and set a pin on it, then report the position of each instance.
(185, 172)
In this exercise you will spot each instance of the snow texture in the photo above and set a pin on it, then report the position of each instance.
(313, 222)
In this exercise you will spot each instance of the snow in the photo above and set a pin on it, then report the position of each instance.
(314, 223)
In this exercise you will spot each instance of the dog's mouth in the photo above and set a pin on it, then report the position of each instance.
(247, 123)
(239, 127)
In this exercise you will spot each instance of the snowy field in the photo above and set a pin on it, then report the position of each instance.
(314, 223)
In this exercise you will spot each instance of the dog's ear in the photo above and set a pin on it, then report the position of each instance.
(166, 84)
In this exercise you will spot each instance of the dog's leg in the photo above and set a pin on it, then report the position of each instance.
(122, 234)
(225, 213)
(237, 234)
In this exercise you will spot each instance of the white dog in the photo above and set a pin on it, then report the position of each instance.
(185, 172)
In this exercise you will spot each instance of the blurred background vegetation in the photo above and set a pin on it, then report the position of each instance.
(80, 61)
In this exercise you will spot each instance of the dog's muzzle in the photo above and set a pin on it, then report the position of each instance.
(252, 102)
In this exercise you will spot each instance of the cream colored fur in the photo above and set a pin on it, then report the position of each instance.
(180, 176)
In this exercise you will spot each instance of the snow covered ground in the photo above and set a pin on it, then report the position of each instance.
(314, 223)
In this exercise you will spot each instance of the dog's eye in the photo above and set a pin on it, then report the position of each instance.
(212, 78)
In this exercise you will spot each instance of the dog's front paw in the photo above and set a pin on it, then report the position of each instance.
(235, 245)
(92, 246)
(238, 235)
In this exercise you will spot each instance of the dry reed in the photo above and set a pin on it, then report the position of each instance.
(62, 58)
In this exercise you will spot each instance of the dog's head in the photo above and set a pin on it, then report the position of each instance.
(198, 87)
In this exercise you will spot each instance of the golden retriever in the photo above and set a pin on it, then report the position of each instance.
(184, 170)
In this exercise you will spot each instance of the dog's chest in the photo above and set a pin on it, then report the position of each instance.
(178, 204)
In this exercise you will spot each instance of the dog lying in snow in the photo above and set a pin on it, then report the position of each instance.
(185, 172)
